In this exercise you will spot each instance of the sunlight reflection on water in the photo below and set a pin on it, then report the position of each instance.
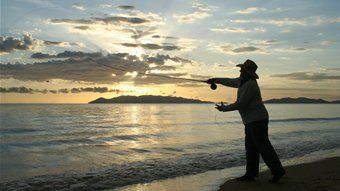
(52, 139)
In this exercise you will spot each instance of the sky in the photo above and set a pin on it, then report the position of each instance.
(56, 51)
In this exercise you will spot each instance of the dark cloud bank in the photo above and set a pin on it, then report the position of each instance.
(136, 23)
(153, 46)
(64, 90)
(9, 43)
(311, 76)
(89, 67)
(126, 7)
(105, 20)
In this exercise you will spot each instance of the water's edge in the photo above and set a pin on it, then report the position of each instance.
(211, 180)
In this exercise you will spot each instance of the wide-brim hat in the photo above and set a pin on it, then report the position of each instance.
(250, 67)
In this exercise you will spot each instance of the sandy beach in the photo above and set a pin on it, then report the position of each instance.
(321, 175)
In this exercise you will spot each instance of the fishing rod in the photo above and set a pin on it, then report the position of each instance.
(213, 86)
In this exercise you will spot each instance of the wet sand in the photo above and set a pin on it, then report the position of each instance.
(317, 176)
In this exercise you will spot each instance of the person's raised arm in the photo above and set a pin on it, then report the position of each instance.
(231, 82)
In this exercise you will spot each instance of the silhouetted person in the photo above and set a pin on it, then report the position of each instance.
(255, 118)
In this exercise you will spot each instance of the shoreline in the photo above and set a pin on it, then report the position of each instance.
(211, 180)
(319, 175)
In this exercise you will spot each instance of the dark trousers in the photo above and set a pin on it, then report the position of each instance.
(257, 142)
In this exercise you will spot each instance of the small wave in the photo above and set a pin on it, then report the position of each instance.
(118, 138)
(173, 149)
(51, 143)
(139, 150)
(17, 130)
(306, 119)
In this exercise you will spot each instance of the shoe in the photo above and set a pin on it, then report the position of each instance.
(277, 177)
(246, 178)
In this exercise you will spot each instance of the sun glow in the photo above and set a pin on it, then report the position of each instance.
(130, 87)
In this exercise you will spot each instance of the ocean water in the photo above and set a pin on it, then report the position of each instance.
(103, 146)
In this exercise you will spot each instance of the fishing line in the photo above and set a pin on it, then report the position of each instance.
(213, 86)
(152, 74)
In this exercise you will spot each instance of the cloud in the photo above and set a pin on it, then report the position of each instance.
(246, 49)
(165, 37)
(40, 55)
(203, 7)
(151, 46)
(135, 24)
(25, 90)
(237, 30)
(160, 59)
(271, 41)
(191, 17)
(277, 22)
(202, 11)
(132, 45)
(298, 49)
(186, 44)
(266, 43)
(78, 6)
(105, 5)
(327, 42)
(9, 44)
(309, 76)
(240, 49)
(97, 69)
(332, 69)
(136, 34)
(287, 21)
(82, 27)
(132, 74)
(250, 10)
(96, 90)
(121, 19)
(319, 20)
(126, 7)
(227, 66)
(73, 21)
(106, 32)
(292, 49)
(105, 20)
(134, 18)
(16, 90)
(66, 54)
(47, 42)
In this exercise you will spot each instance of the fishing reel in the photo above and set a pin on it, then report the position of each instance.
(213, 86)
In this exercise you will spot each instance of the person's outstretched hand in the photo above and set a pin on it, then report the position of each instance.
(220, 107)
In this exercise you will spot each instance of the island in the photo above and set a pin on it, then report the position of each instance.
(147, 99)
(299, 100)
(172, 99)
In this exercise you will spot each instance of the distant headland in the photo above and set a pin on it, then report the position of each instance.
(299, 100)
(171, 99)
(148, 99)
